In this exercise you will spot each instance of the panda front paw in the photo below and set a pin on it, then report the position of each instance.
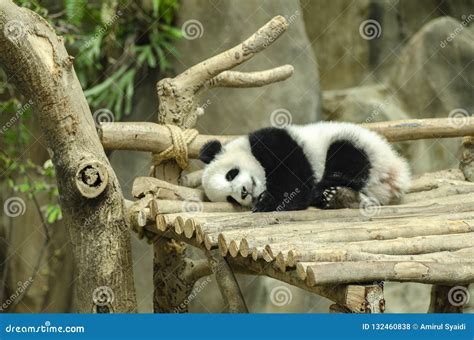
(265, 203)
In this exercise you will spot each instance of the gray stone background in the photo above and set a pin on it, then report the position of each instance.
(417, 64)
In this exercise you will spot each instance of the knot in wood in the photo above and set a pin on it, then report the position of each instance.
(92, 179)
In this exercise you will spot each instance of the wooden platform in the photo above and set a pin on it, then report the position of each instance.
(429, 238)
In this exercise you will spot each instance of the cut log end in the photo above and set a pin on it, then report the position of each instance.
(234, 248)
(91, 179)
(189, 227)
(301, 271)
(222, 245)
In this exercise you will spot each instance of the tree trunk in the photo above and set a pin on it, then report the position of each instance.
(91, 199)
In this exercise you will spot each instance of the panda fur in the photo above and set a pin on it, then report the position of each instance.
(325, 164)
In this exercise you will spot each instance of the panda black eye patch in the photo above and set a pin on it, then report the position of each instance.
(231, 174)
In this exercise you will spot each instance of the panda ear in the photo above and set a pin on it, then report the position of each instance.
(209, 151)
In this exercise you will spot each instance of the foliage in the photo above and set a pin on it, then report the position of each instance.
(115, 43)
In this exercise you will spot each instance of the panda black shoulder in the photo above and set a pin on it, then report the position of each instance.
(270, 145)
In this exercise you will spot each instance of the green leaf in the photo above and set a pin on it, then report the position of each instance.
(75, 10)
(156, 8)
(53, 213)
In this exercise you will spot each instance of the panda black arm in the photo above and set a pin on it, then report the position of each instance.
(289, 176)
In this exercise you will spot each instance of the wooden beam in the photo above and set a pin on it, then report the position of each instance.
(155, 138)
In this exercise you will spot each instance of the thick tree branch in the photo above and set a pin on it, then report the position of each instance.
(227, 283)
(178, 96)
(90, 196)
(250, 79)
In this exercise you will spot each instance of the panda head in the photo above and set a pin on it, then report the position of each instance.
(232, 173)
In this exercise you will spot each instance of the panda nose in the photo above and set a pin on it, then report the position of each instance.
(244, 193)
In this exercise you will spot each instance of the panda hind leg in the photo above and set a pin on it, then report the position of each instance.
(336, 197)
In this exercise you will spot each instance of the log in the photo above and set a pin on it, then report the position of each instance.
(192, 179)
(165, 190)
(308, 252)
(369, 271)
(446, 257)
(333, 231)
(155, 138)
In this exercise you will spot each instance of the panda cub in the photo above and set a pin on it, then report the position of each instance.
(326, 165)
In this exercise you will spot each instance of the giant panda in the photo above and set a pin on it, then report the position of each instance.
(325, 165)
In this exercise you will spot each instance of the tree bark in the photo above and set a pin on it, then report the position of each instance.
(90, 196)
